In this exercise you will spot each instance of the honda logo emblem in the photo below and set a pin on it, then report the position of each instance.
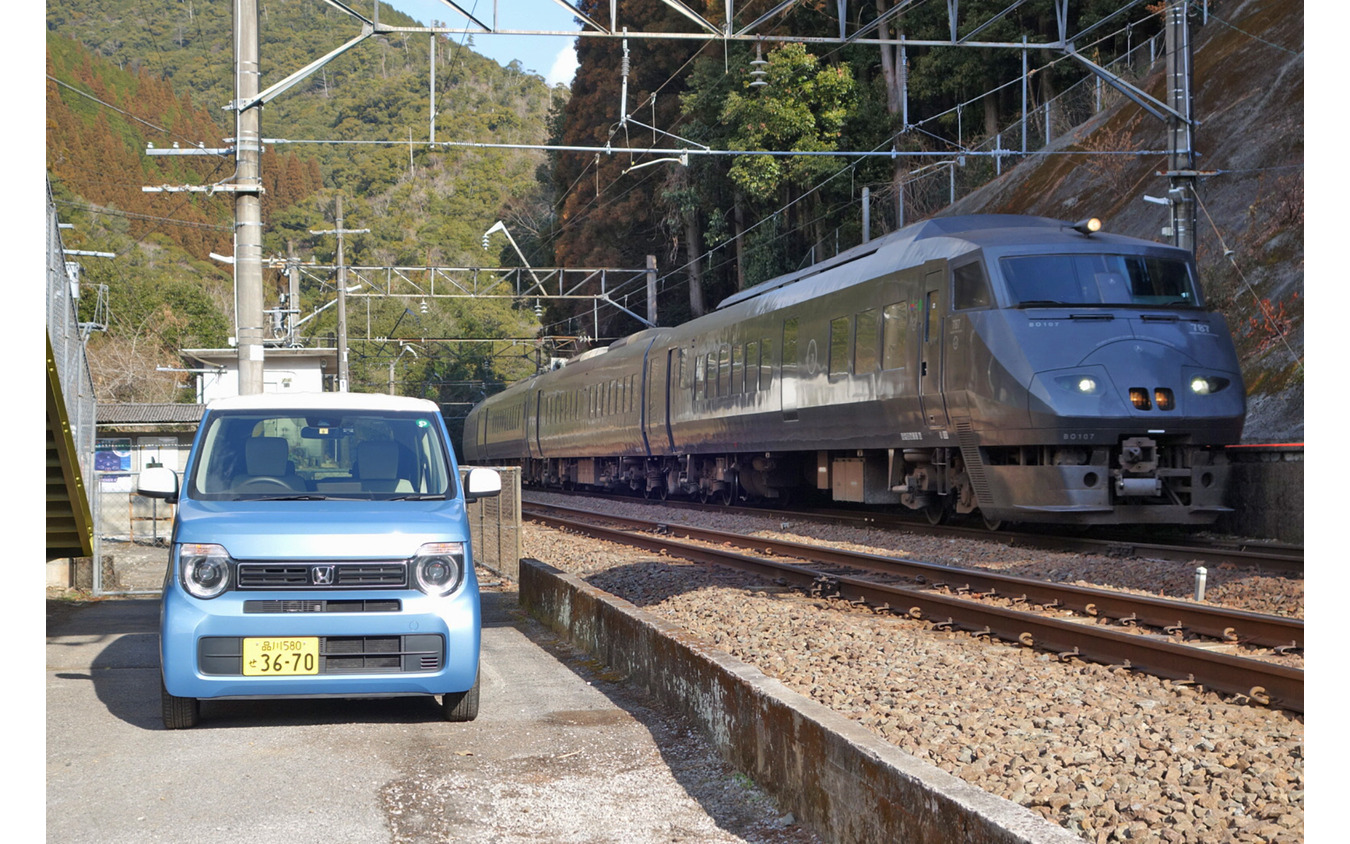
(323, 575)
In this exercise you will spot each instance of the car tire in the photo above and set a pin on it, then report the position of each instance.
(461, 706)
(179, 713)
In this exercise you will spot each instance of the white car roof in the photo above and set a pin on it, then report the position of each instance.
(323, 401)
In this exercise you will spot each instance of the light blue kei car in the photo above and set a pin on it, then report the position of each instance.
(320, 549)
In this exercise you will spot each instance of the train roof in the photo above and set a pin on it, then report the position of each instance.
(940, 237)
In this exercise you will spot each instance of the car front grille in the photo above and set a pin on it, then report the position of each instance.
(324, 575)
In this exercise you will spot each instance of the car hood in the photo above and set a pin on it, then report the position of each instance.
(336, 530)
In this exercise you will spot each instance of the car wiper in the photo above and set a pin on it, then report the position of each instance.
(299, 496)
(418, 496)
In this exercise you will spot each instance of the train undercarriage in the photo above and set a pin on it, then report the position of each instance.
(1137, 480)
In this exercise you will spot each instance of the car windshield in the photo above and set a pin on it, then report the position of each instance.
(1098, 279)
(300, 455)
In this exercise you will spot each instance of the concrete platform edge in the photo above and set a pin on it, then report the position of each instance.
(833, 774)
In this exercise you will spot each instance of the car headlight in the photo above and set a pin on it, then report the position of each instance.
(438, 567)
(204, 570)
(1204, 385)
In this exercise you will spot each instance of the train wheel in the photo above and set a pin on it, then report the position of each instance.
(726, 496)
(993, 524)
(936, 511)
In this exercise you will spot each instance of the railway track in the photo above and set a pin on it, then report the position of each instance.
(1229, 651)
(1267, 557)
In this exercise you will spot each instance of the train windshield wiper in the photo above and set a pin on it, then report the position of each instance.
(1041, 303)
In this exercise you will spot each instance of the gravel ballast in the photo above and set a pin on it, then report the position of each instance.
(1108, 754)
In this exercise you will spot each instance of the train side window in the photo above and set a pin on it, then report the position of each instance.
(839, 330)
(790, 343)
(737, 369)
(700, 383)
(765, 363)
(712, 374)
(970, 287)
(895, 325)
(866, 342)
(724, 371)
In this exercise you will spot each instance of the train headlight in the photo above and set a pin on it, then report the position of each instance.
(1204, 385)
(1085, 385)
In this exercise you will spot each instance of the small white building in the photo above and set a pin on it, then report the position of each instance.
(284, 371)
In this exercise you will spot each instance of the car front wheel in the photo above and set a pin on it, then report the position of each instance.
(179, 712)
(461, 706)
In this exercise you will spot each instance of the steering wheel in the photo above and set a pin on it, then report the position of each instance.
(263, 482)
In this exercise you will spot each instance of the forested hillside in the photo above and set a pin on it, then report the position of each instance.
(123, 74)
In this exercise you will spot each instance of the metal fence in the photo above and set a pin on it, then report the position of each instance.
(68, 354)
(929, 189)
(494, 524)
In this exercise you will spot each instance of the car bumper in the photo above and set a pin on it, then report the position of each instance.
(429, 646)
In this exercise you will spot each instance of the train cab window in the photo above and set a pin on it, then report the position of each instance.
(894, 329)
(866, 342)
(970, 288)
(839, 337)
(1097, 279)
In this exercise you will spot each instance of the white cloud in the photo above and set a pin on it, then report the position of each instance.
(564, 66)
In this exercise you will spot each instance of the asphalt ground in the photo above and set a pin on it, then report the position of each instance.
(560, 752)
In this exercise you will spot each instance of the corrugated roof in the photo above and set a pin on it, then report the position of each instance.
(148, 414)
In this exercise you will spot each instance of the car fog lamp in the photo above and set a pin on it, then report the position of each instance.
(205, 569)
(438, 567)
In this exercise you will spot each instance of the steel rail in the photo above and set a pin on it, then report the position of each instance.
(1257, 680)
(1277, 558)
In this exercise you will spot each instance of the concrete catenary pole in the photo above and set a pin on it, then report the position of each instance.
(1181, 128)
(343, 379)
(248, 264)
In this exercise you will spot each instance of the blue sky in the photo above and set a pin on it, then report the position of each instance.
(553, 58)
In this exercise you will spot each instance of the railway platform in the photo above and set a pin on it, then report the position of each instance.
(561, 751)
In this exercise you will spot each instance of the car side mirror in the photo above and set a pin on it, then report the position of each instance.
(159, 482)
(482, 483)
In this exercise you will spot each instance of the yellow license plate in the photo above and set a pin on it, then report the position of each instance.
(281, 656)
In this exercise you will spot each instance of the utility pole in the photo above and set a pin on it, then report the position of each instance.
(343, 374)
(292, 312)
(1182, 175)
(248, 275)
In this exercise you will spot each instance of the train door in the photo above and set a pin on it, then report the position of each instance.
(931, 344)
(787, 376)
(656, 437)
(533, 425)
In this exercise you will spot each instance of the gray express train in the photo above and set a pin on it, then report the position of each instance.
(1018, 369)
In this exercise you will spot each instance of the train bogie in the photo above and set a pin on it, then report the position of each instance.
(1008, 367)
